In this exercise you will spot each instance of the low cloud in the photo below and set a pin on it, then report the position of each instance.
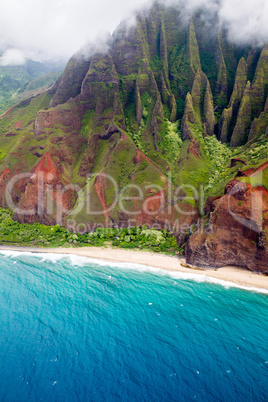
(58, 28)
(12, 57)
(246, 20)
(55, 29)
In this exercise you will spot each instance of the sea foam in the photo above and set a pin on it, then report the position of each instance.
(79, 261)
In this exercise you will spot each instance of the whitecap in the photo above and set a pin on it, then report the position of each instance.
(76, 260)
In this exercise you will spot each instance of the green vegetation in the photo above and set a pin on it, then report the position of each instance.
(147, 104)
(213, 170)
(255, 153)
(12, 232)
(180, 66)
(135, 237)
(143, 113)
(172, 139)
(219, 155)
(36, 234)
(18, 83)
(207, 166)
(87, 123)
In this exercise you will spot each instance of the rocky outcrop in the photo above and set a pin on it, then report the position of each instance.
(164, 53)
(5, 177)
(240, 82)
(260, 124)
(224, 125)
(198, 93)
(199, 107)
(235, 120)
(138, 103)
(236, 233)
(68, 119)
(70, 83)
(90, 156)
(243, 123)
(100, 87)
(45, 197)
(222, 82)
(193, 49)
(188, 118)
(260, 84)
(209, 117)
(129, 48)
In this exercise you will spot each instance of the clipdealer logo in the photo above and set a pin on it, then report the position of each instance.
(50, 196)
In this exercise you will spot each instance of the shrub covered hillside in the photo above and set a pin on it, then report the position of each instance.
(15, 233)
(166, 105)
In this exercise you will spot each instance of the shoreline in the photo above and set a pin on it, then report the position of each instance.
(234, 275)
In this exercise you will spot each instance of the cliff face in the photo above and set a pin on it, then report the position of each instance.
(153, 114)
(236, 235)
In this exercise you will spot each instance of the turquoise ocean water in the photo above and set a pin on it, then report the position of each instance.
(74, 329)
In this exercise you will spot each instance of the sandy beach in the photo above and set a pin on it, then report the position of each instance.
(239, 276)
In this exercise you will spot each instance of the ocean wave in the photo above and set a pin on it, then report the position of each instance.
(80, 261)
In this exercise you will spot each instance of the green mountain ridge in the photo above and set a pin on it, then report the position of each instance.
(153, 132)
(20, 82)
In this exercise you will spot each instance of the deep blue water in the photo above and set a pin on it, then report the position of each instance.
(80, 330)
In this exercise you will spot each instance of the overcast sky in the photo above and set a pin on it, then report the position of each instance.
(50, 29)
